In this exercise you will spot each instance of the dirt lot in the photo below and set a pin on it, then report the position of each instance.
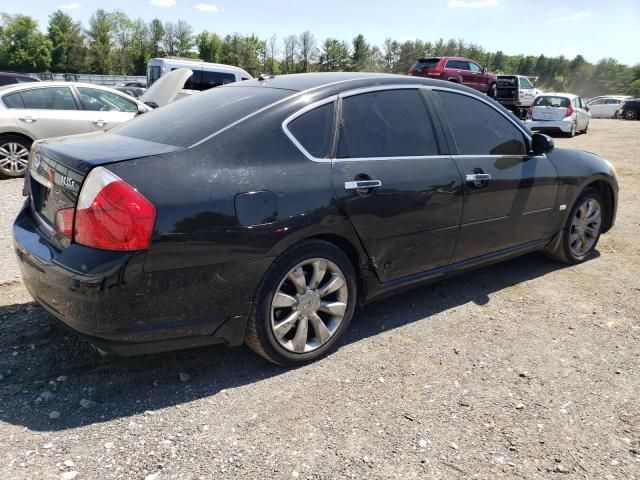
(526, 369)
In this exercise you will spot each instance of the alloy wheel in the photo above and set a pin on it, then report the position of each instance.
(13, 158)
(309, 305)
(630, 114)
(585, 227)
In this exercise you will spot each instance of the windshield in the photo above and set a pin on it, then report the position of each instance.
(153, 74)
(547, 101)
(189, 120)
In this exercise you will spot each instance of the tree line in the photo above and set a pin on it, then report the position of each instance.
(113, 43)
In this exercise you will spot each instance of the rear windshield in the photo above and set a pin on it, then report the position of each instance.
(188, 120)
(425, 63)
(547, 101)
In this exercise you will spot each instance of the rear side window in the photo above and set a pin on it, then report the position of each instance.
(189, 120)
(548, 101)
(7, 81)
(51, 98)
(25, 80)
(215, 79)
(479, 129)
(387, 123)
(459, 64)
(13, 100)
(314, 129)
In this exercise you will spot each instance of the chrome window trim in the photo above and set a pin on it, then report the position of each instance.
(359, 91)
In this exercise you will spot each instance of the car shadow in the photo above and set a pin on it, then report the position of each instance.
(46, 368)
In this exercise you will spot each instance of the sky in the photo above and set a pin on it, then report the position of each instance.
(592, 28)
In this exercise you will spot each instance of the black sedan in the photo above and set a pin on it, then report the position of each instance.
(266, 211)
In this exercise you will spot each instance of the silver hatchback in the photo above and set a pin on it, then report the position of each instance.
(560, 113)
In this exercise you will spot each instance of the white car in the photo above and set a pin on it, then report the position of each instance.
(39, 110)
(559, 113)
(605, 107)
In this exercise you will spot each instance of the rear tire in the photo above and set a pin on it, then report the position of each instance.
(582, 229)
(14, 155)
(303, 305)
(572, 132)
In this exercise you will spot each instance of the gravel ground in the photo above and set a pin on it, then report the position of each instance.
(527, 369)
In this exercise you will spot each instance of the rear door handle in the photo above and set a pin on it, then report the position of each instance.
(28, 119)
(99, 123)
(362, 184)
(478, 177)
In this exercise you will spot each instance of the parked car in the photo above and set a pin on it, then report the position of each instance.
(630, 109)
(560, 113)
(264, 211)
(516, 93)
(605, 107)
(8, 78)
(205, 75)
(458, 70)
(134, 83)
(33, 111)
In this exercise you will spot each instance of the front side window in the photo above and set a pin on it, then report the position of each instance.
(105, 101)
(13, 100)
(479, 129)
(525, 83)
(474, 67)
(386, 123)
(314, 130)
(51, 98)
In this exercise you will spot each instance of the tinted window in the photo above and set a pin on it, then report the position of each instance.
(474, 67)
(7, 80)
(13, 100)
(25, 79)
(479, 129)
(459, 64)
(525, 83)
(153, 74)
(105, 101)
(388, 123)
(193, 118)
(52, 98)
(425, 63)
(313, 130)
(215, 79)
(548, 101)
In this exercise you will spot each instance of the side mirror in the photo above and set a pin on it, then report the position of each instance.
(484, 69)
(141, 110)
(587, 108)
(541, 144)
(151, 104)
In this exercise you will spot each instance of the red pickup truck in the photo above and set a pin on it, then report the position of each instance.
(456, 69)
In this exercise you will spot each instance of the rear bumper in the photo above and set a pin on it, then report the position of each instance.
(550, 125)
(110, 299)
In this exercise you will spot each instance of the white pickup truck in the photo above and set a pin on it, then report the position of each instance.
(517, 92)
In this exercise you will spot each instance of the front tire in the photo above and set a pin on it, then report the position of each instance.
(630, 114)
(303, 305)
(493, 91)
(582, 230)
(14, 156)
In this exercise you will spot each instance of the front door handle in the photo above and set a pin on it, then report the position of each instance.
(362, 184)
(99, 123)
(28, 119)
(478, 177)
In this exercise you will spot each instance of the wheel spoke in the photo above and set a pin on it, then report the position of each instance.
(5, 162)
(299, 341)
(282, 300)
(591, 231)
(336, 309)
(296, 276)
(4, 151)
(595, 216)
(335, 282)
(322, 332)
(319, 270)
(282, 328)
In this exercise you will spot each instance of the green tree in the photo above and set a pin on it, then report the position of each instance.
(209, 46)
(361, 54)
(23, 47)
(156, 34)
(334, 56)
(308, 51)
(100, 34)
(184, 39)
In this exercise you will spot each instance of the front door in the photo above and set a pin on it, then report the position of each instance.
(403, 196)
(106, 109)
(508, 193)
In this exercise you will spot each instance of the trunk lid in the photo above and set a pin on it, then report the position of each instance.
(166, 89)
(58, 168)
(550, 108)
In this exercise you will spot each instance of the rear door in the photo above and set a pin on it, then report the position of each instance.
(508, 193)
(46, 112)
(106, 109)
(393, 179)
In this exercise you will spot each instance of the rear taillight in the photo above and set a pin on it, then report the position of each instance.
(112, 215)
(569, 111)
